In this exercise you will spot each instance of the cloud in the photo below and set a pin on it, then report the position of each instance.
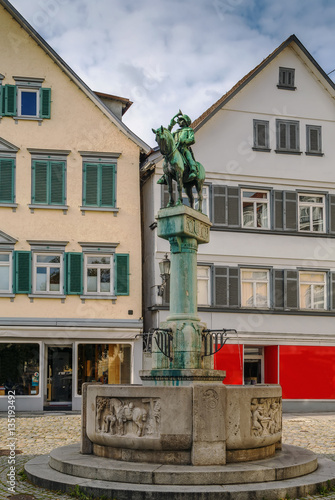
(171, 54)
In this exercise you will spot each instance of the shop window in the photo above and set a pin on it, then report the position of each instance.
(255, 209)
(19, 369)
(203, 277)
(313, 140)
(261, 135)
(98, 277)
(6, 272)
(48, 273)
(106, 363)
(255, 288)
(312, 286)
(253, 365)
(312, 213)
(287, 136)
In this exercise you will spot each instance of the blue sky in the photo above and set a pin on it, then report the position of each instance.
(171, 54)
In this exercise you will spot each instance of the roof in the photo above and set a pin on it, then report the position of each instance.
(199, 122)
(73, 76)
(126, 103)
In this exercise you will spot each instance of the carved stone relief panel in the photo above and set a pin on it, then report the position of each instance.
(128, 416)
(266, 416)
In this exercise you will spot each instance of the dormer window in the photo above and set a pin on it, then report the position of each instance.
(286, 78)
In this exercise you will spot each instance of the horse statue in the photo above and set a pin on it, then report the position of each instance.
(176, 168)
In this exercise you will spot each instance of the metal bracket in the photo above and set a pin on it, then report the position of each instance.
(214, 340)
(163, 338)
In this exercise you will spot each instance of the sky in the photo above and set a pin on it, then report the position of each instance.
(166, 55)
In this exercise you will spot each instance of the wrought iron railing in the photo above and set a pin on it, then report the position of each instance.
(163, 338)
(214, 340)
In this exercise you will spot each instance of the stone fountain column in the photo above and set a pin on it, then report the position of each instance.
(185, 229)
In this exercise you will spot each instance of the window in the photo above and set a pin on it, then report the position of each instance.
(106, 363)
(98, 274)
(7, 170)
(313, 140)
(5, 272)
(255, 288)
(286, 78)
(26, 99)
(253, 365)
(287, 136)
(255, 209)
(205, 200)
(99, 184)
(48, 182)
(261, 135)
(48, 273)
(312, 290)
(311, 213)
(19, 369)
(203, 277)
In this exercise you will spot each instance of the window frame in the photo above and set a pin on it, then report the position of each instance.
(21, 90)
(312, 284)
(311, 205)
(50, 162)
(285, 74)
(309, 150)
(254, 202)
(99, 165)
(43, 99)
(256, 145)
(48, 265)
(12, 159)
(288, 149)
(208, 279)
(111, 266)
(254, 286)
(10, 271)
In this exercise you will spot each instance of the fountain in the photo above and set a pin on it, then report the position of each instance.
(183, 434)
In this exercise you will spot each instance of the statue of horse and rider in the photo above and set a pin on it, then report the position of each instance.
(179, 163)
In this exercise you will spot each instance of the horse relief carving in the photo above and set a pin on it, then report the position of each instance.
(266, 416)
(133, 416)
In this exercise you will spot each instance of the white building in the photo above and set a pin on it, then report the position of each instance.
(269, 269)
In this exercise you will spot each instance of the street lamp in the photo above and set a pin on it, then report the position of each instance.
(164, 268)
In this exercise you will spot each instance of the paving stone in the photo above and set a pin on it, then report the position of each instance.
(39, 434)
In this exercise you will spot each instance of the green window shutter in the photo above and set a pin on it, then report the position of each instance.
(90, 184)
(6, 180)
(121, 274)
(57, 184)
(107, 185)
(22, 266)
(40, 182)
(9, 100)
(45, 102)
(74, 273)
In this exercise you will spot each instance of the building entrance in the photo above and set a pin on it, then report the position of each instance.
(59, 378)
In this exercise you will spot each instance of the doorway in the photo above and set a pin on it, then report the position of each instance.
(59, 378)
(253, 365)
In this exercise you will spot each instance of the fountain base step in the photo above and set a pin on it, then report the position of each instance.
(293, 472)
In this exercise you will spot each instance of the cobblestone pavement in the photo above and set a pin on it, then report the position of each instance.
(39, 434)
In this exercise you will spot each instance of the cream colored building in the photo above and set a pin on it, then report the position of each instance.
(70, 242)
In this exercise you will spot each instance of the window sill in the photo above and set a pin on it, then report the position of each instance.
(98, 297)
(287, 152)
(33, 296)
(34, 118)
(99, 209)
(264, 150)
(286, 87)
(308, 153)
(9, 205)
(4, 295)
(34, 206)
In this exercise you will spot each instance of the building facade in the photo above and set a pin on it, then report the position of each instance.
(269, 270)
(70, 235)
